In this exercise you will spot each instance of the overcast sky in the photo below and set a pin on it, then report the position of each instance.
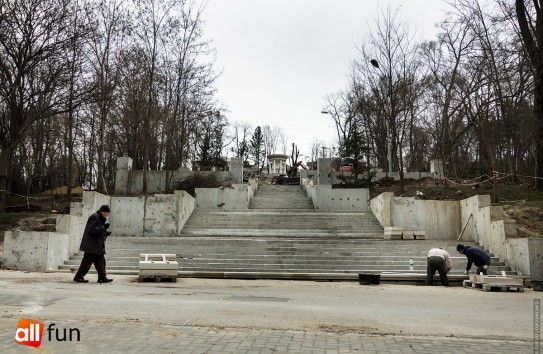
(281, 58)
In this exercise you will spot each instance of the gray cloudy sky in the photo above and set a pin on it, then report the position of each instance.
(280, 58)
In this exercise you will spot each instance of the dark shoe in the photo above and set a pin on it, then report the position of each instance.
(104, 280)
(80, 280)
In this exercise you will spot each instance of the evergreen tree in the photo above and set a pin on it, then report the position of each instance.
(355, 147)
(257, 148)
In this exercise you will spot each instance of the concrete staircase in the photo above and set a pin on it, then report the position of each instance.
(281, 243)
(280, 197)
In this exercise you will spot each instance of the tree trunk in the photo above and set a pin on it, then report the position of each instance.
(533, 43)
(5, 162)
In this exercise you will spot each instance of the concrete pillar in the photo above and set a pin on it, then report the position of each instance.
(236, 169)
(324, 173)
(122, 175)
(436, 167)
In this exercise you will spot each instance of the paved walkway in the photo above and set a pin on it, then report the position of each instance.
(131, 338)
(232, 316)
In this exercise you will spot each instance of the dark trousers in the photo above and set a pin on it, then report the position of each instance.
(89, 259)
(433, 264)
(481, 269)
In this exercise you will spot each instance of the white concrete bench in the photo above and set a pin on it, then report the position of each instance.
(158, 266)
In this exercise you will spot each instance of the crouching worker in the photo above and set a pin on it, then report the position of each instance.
(438, 259)
(475, 256)
(93, 244)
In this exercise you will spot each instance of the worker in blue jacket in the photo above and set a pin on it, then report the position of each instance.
(475, 256)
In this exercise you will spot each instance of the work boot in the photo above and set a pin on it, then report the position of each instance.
(80, 279)
(104, 280)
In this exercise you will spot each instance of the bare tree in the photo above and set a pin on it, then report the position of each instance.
(444, 59)
(34, 37)
(530, 20)
(108, 23)
(392, 51)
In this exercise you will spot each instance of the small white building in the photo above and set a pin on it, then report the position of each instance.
(277, 164)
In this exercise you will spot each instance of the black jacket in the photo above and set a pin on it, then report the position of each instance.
(476, 256)
(94, 236)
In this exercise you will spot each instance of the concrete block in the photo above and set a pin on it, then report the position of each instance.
(392, 236)
(498, 280)
(154, 265)
(420, 236)
(393, 233)
(35, 251)
(408, 235)
(393, 228)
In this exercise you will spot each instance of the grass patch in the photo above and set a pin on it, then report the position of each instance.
(7, 220)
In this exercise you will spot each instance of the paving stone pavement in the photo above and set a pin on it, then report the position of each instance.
(236, 316)
(141, 338)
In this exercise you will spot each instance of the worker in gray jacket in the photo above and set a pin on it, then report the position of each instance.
(475, 256)
(438, 259)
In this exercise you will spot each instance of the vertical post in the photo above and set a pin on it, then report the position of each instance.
(537, 326)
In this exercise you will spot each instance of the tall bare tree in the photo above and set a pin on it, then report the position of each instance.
(108, 23)
(34, 37)
(530, 20)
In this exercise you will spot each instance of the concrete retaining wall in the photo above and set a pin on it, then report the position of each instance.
(327, 199)
(440, 219)
(525, 255)
(159, 215)
(518, 255)
(154, 216)
(487, 224)
(330, 199)
(35, 251)
(127, 216)
(444, 220)
(237, 196)
(381, 206)
(185, 206)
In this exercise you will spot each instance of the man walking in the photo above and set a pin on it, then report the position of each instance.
(438, 259)
(475, 256)
(93, 244)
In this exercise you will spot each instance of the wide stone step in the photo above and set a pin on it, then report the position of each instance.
(292, 270)
(293, 234)
(300, 264)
